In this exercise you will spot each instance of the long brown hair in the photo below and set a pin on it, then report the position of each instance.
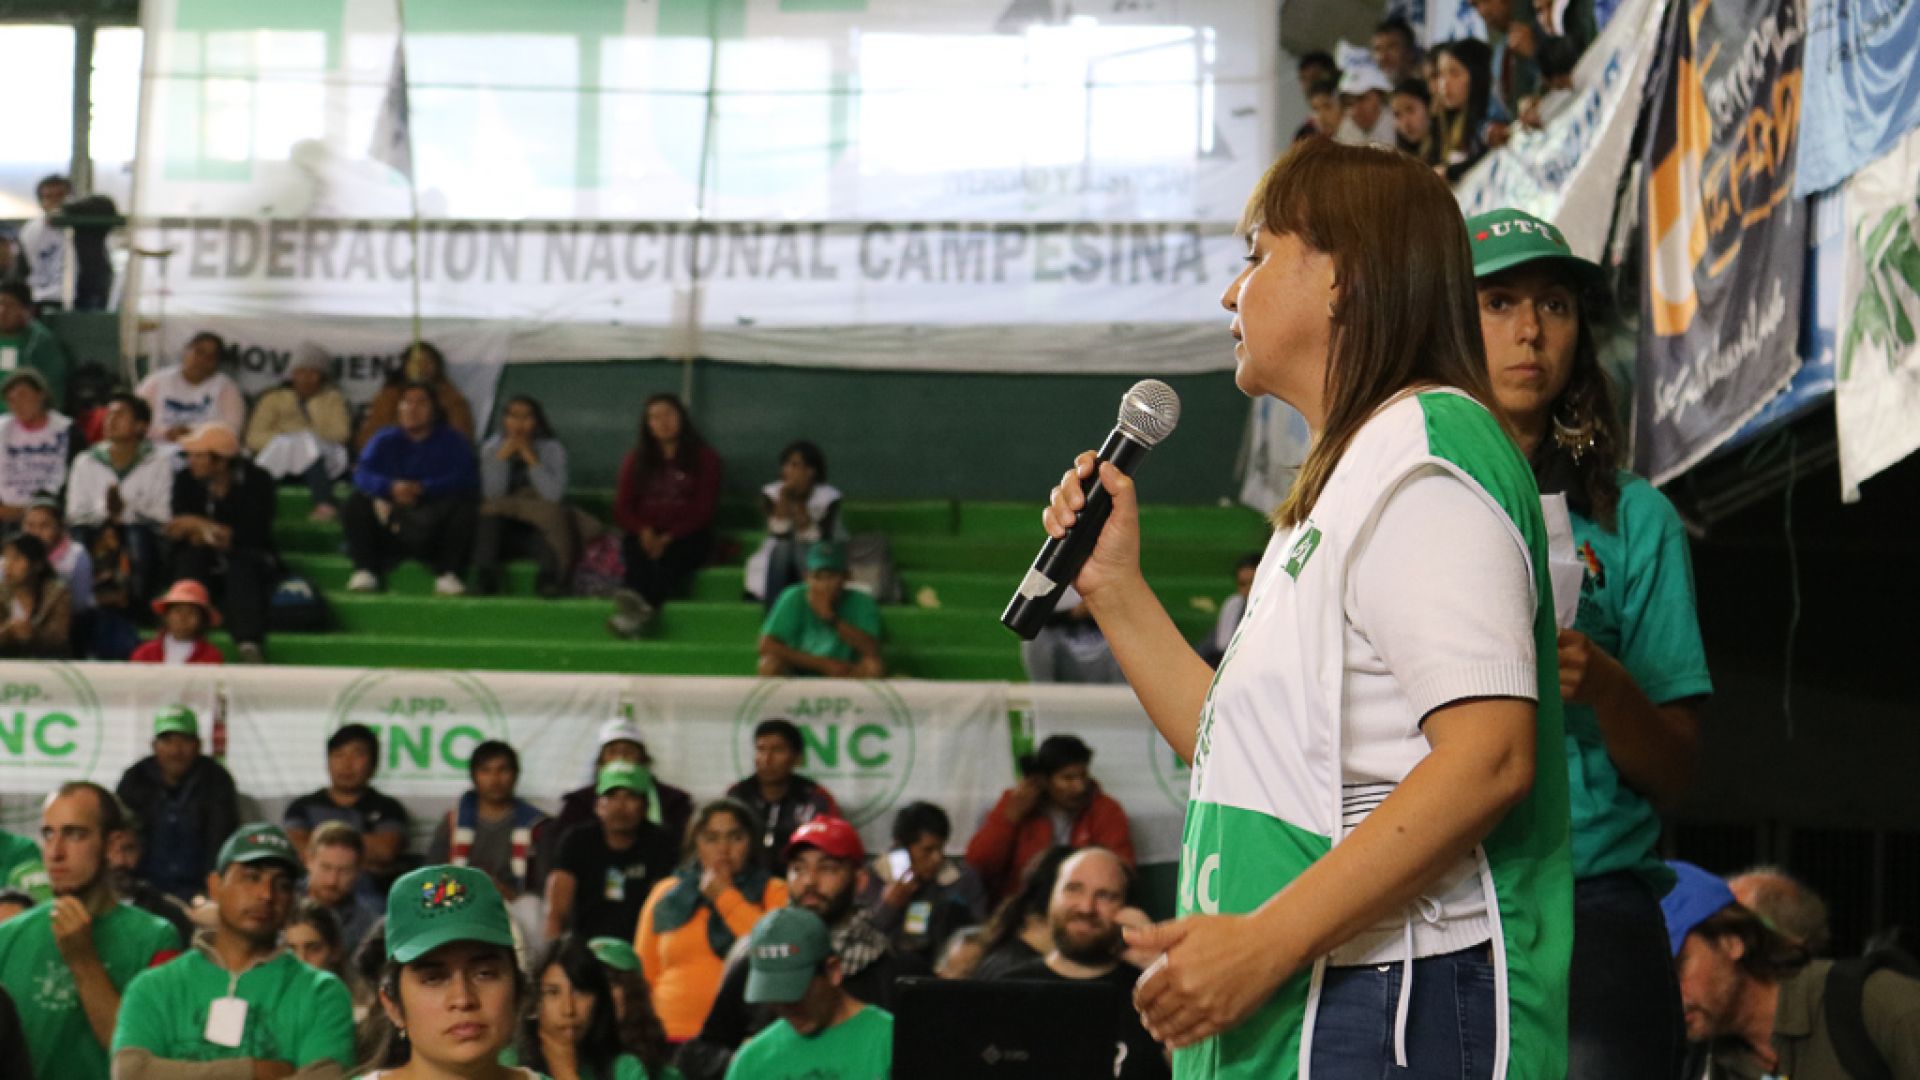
(1407, 314)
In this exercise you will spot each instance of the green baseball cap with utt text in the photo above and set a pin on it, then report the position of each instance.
(258, 842)
(784, 953)
(1507, 238)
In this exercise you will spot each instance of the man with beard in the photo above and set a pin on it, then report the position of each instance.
(65, 962)
(824, 861)
(1756, 1006)
(333, 881)
(238, 998)
(1087, 897)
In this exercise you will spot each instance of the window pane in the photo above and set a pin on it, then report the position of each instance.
(116, 110)
(40, 126)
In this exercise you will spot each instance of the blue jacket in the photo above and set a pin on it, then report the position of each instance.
(442, 463)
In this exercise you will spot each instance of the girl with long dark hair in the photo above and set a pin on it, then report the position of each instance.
(1375, 870)
(575, 1031)
(523, 488)
(1466, 116)
(668, 491)
(37, 608)
(1633, 671)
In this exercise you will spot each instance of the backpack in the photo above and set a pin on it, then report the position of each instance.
(296, 607)
(1845, 1010)
(602, 568)
(870, 566)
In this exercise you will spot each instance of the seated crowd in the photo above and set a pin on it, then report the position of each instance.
(1450, 104)
(153, 930)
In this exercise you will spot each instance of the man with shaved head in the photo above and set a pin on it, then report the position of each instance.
(1794, 911)
(1083, 914)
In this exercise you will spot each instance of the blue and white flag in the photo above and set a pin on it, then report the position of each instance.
(1862, 86)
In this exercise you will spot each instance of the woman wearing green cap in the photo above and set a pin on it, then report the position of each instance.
(1632, 669)
(1374, 868)
(451, 990)
(579, 1029)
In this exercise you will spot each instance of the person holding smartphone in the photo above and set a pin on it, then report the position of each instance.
(916, 893)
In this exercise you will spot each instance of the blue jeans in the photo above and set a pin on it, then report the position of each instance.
(1625, 1017)
(1450, 1020)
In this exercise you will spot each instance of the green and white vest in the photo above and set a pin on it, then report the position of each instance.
(1266, 790)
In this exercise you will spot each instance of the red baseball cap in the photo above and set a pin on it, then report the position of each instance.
(831, 835)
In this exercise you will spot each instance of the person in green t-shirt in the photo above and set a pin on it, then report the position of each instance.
(450, 989)
(238, 998)
(65, 962)
(821, 627)
(21, 868)
(31, 343)
(577, 1030)
(1633, 671)
(824, 1033)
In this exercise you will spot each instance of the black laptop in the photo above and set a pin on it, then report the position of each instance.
(946, 1029)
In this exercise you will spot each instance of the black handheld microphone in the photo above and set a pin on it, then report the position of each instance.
(1147, 414)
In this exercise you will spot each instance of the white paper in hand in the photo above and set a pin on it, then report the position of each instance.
(1563, 562)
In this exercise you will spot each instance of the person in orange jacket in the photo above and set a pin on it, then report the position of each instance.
(1056, 802)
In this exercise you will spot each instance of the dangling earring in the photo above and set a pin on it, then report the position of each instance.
(1574, 429)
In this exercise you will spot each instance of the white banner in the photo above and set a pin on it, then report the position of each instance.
(874, 183)
(875, 745)
(1567, 171)
(366, 352)
(1130, 759)
(1876, 397)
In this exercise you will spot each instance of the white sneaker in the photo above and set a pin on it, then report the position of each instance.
(449, 585)
(363, 581)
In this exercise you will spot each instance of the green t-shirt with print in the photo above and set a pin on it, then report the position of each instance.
(1637, 604)
(21, 867)
(859, 1049)
(36, 976)
(295, 1014)
(793, 623)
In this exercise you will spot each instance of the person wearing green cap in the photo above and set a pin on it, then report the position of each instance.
(185, 802)
(607, 867)
(579, 1030)
(66, 962)
(450, 993)
(237, 998)
(824, 1033)
(21, 867)
(625, 979)
(821, 627)
(34, 347)
(1632, 668)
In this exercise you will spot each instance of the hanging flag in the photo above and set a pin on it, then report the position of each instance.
(1877, 395)
(1726, 242)
(1863, 86)
(393, 133)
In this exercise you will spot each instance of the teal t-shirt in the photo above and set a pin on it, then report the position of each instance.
(859, 1049)
(36, 976)
(295, 1014)
(21, 868)
(793, 623)
(1636, 602)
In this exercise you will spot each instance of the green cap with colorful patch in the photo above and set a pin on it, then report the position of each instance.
(439, 905)
(614, 953)
(176, 720)
(631, 775)
(1506, 238)
(783, 954)
(259, 842)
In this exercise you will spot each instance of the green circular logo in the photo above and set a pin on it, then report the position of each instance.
(428, 721)
(53, 722)
(1173, 776)
(859, 739)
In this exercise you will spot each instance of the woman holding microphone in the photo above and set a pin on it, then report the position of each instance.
(1375, 869)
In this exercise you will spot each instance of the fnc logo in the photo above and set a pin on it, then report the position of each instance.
(53, 722)
(428, 721)
(859, 739)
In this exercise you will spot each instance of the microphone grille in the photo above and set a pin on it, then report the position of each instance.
(1150, 411)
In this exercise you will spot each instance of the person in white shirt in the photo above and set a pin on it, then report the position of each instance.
(1363, 96)
(36, 443)
(119, 494)
(44, 246)
(1232, 609)
(194, 392)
